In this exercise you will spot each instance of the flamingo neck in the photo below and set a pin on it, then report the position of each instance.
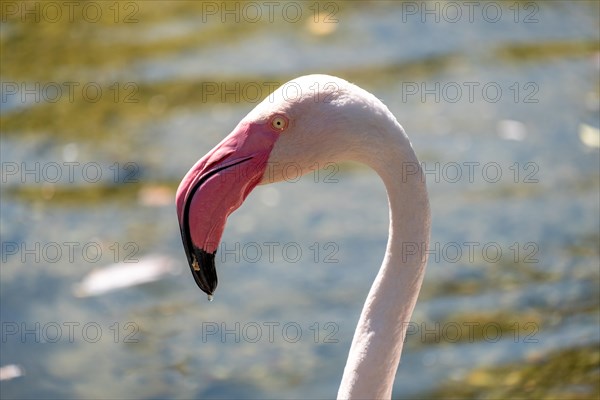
(375, 351)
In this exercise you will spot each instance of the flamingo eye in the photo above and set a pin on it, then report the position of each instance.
(279, 123)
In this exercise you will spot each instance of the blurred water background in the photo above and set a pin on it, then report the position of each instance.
(106, 105)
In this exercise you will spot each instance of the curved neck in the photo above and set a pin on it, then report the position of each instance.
(375, 351)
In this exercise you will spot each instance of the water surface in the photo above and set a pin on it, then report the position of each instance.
(503, 114)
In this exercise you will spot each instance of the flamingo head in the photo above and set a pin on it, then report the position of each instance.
(300, 124)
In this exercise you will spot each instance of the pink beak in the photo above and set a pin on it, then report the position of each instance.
(215, 187)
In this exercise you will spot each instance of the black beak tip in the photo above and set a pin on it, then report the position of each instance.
(203, 269)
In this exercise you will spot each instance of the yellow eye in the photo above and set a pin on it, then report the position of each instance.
(279, 122)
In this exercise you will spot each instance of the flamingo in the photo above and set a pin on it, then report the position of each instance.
(321, 119)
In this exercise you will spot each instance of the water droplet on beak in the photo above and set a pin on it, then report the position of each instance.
(210, 297)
